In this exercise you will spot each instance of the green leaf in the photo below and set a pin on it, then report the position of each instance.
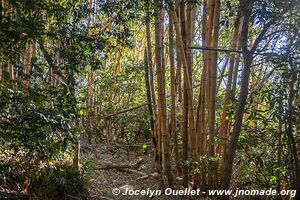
(33, 59)
(82, 112)
(5, 75)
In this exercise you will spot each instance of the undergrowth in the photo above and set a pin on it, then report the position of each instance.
(60, 181)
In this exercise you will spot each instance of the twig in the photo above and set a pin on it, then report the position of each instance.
(121, 166)
(73, 197)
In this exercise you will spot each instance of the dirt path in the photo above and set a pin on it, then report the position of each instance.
(102, 182)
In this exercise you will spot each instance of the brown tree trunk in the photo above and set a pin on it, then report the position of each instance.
(246, 9)
(185, 169)
(201, 130)
(279, 154)
(161, 89)
(27, 64)
(212, 25)
(173, 130)
(289, 131)
(150, 109)
(188, 88)
(151, 66)
(242, 98)
(226, 103)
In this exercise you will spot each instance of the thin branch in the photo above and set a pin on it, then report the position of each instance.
(51, 62)
(260, 36)
(216, 49)
(123, 111)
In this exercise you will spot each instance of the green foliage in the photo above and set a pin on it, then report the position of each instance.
(64, 179)
(32, 125)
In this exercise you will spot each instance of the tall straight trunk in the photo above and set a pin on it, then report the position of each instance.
(187, 83)
(161, 89)
(173, 130)
(89, 84)
(88, 104)
(152, 93)
(289, 130)
(189, 57)
(151, 66)
(190, 23)
(11, 74)
(150, 109)
(185, 169)
(279, 154)
(201, 133)
(212, 69)
(158, 106)
(178, 87)
(27, 64)
(226, 103)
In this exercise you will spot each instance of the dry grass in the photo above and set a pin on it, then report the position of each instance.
(103, 181)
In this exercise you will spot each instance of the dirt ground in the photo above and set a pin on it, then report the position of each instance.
(103, 181)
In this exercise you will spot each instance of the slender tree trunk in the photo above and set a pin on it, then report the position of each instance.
(173, 130)
(213, 23)
(201, 131)
(246, 7)
(161, 89)
(158, 61)
(151, 66)
(183, 171)
(279, 154)
(152, 94)
(12, 75)
(289, 130)
(89, 84)
(89, 104)
(185, 168)
(188, 86)
(27, 64)
(150, 109)
(226, 103)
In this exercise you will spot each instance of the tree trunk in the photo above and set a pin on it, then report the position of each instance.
(27, 64)
(226, 103)
(150, 109)
(289, 130)
(201, 130)
(173, 130)
(161, 89)
(211, 40)
(246, 8)
(185, 147)
(188, 87)
(279, 154)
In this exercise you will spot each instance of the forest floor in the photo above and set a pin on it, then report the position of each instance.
(103, 181)
(109, 167)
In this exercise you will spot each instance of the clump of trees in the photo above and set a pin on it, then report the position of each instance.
(214, 85)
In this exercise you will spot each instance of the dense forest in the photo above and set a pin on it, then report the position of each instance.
(108, 99)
